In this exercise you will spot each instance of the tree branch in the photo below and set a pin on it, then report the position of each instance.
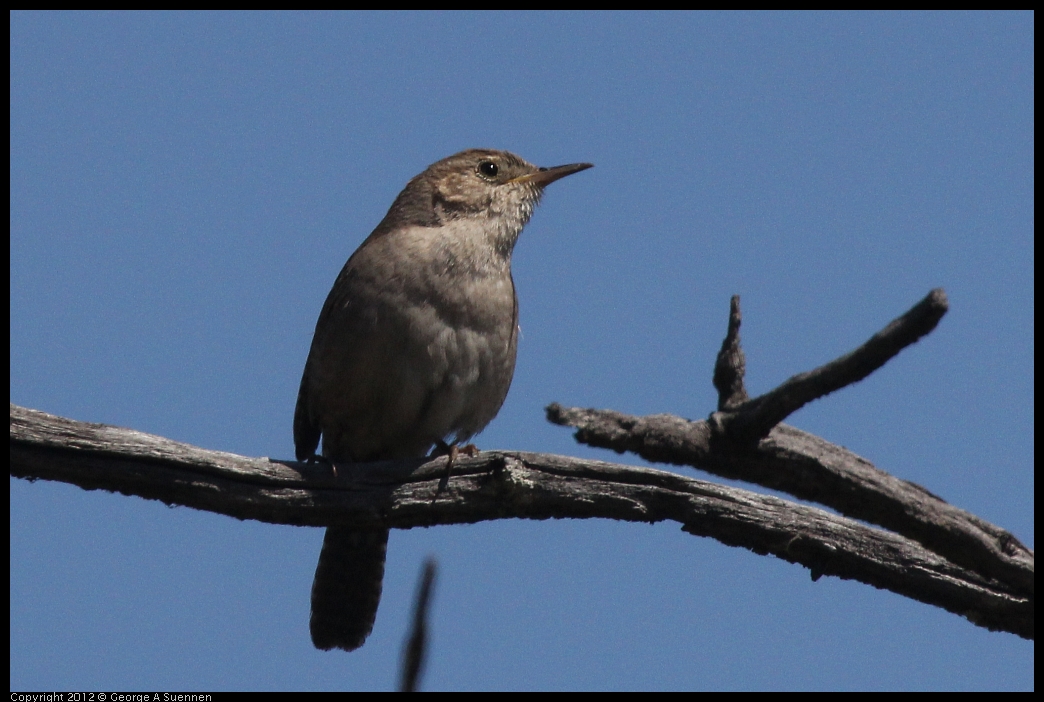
(743, 441)
(502, 485)
(748, 422)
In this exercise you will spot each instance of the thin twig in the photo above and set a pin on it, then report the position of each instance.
(415, 652)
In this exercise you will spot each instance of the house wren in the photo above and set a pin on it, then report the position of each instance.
(414, 347)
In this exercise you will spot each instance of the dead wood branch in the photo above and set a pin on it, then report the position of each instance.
(744, 441)
(501, 485)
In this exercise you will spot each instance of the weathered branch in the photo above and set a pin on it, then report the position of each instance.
(500, 485)
(750, 421)
(739, 442)
(806, 466)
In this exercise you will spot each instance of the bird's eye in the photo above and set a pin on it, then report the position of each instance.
(488, 169)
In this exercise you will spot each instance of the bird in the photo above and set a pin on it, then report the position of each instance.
(414, 351)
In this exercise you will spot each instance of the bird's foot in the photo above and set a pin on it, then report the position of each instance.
(316, 458)
(444, 449)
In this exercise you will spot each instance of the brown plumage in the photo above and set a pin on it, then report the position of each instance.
(414, 346)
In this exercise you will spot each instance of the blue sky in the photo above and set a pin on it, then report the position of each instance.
(185, 188)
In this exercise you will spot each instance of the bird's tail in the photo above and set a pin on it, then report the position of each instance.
(347, 586)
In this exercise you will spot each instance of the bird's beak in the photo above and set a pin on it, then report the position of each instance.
(545, 176)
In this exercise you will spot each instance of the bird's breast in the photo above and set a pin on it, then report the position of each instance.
(420, 344)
